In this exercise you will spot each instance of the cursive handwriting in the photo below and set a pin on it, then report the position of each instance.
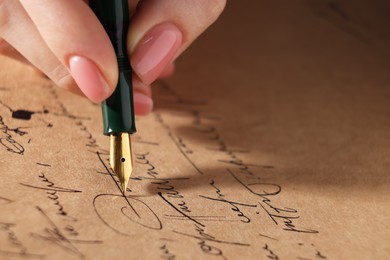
(13, 240)
(270, 253)
(4, 200)
(7, 139)
(52, 192)
(183, 149)
(129, 209)
(53, 234)
(113, 209)
(234, 205)
(162, 184)
(166, 254)
(91, 142)
(181, 212)
(204, 239)
(267, 190)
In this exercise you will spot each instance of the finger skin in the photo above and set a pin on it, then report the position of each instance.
(191, 16)
(162, 29)
(7, 50)
(168, 71)
(70, 28)
(18, 30)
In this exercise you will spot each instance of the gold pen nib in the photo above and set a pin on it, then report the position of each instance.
(120, 157)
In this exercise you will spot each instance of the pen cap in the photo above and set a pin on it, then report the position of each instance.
(118, 109)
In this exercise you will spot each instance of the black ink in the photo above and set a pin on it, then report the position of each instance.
(166, 254)
(12, 238)
(235, 208)
(203, 218)
(21, 255)
(179, 211)
(266, 190)
(268, 237)
(78, 120)
(53, 188)
(64, 112)
(4, 200)
(245, 166)
(54, 235)
(204, 237)
(8, 141)
(71, 230)
(318, 254)
(138, 139)
(43, 164)
(116, 182)
(217, 190)
(211, 133)
(183, 152)
(143, 160)
(175, 141)
(178, 99)
(163, 184)
(20, 249)
(91, 143)
(149, 219)
(22, 114)
(234, 205)
(184, 146)
(270, 253)
(183, 206)
(51, 193)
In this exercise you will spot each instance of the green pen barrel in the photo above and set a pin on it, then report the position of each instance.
(118, 109)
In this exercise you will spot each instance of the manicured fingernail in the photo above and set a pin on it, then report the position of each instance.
(155, 51)
(89, 78)
(143, 104)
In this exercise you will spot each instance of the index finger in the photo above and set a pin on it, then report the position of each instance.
(76, 37)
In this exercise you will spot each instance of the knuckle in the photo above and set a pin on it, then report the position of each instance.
(60, 75)
(215, 8)
(204, 12)
(7, 50)
(4, 47)
(4, 14)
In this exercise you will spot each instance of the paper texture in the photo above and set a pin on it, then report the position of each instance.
(272, 141)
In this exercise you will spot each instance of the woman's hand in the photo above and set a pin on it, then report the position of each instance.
(64, 40)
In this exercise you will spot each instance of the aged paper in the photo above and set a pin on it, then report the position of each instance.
(271, 142)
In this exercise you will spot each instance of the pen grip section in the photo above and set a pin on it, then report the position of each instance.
(117, 110)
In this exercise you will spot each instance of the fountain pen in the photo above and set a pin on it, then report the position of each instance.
(118, 109)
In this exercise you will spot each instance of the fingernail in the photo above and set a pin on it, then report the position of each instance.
(143, 104)
(89, 78)
(155, 51)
